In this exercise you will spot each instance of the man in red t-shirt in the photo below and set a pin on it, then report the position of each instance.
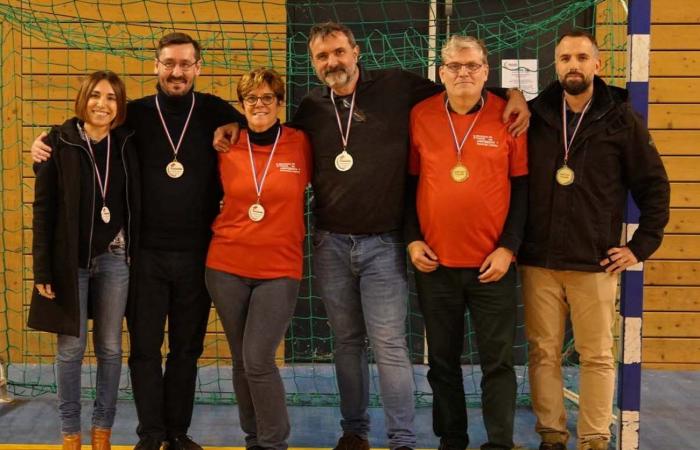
(463, 229)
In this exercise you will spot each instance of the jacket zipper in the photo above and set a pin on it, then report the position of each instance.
(128, 206)
(92, 217)
(594, 120)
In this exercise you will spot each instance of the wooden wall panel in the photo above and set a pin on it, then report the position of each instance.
(672, 275)
(672, 298)
(674, 64)
(675, 11)
(685, 195)
(677, 142)
(685, 221)
(671, 350)
(675, 37)
(674, 90)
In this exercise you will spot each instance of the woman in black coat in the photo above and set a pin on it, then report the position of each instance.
(84, 229)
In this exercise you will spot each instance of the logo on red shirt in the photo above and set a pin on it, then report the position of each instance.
(288, 167)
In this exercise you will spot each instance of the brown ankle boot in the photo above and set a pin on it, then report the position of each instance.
(71, 441)
(100, 438)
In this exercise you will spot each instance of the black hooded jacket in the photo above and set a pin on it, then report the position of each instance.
(61, 226)
(572, 227)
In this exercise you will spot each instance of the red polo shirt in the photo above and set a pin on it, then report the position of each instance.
(462, 222)
(272, 247)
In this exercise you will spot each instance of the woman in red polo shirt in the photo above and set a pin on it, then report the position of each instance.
(255, 257)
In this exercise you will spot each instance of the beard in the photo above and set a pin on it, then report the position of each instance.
(336, 77)
(575, 85)
(182, 89)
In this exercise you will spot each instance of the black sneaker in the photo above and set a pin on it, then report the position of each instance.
(148, 443)
(182, 442)
(351, 441)
(552, 446)
(447, 446)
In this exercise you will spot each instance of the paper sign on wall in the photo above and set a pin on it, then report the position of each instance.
(520, 73)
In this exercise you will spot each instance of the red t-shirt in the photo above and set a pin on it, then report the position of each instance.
(272, 247)
(462, 222)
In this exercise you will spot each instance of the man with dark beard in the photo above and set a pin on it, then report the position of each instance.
(587, 148)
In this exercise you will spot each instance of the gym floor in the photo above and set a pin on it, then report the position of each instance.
(669, 419)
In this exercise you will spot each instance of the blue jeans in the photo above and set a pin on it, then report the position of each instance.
(362, 281)
(106, 284)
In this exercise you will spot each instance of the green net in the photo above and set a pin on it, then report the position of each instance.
(48, 45)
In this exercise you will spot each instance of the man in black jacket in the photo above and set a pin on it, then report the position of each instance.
(180, 195)
(587, 148)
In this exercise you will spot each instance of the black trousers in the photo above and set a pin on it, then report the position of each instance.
(443, 296)
(166, 285)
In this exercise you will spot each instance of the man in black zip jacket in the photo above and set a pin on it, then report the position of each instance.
(180, 197)
(587, 148)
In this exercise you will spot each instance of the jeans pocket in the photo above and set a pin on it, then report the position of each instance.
(391, 238)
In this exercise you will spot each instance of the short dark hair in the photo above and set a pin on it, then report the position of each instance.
(89, 84)
(326, 29)
(178, 38)
(577, 33)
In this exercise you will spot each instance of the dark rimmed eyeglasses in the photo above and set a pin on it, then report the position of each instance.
(266, 99)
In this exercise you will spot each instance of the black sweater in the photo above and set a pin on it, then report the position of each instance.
(177, 213)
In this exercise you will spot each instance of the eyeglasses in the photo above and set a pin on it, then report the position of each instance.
(185, 66)
(457, 67)
(266, 99)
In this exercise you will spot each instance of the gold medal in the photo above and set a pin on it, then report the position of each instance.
(175, 169)
(565, 176)
(344, 161)
(459, 173)
(256, 212)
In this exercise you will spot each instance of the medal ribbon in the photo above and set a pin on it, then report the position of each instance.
(259, 186)
(344, 136)
(460, 145)
(184, 129)
(567, 142)
(103, 187)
